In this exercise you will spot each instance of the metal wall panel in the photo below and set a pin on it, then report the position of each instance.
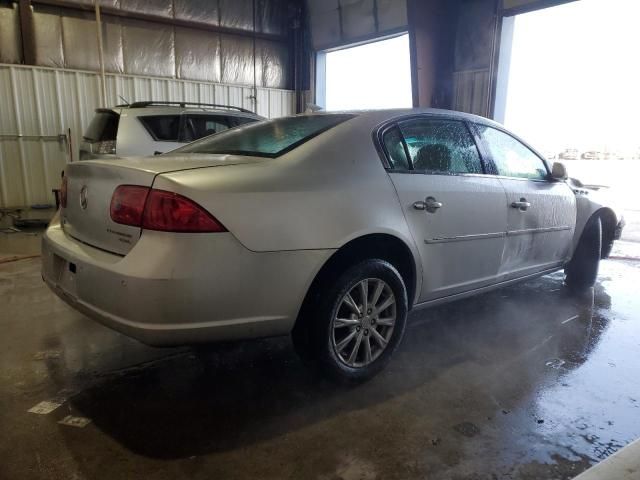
(204, 11)
(39, 104)
(47, 30)
(10, 50)
(272, 16)
(358, 18)
(197, 55)
(236, 13)
(272, 64)
(80, 31)
(67, 38)
(339, 22)
(471, 92)
(237, 59)
(161, 8)
(148, 48)
(392, 14)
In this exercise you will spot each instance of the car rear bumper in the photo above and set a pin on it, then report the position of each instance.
(181, 289)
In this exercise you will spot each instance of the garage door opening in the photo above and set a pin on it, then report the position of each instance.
(568, 83)
(375, 75)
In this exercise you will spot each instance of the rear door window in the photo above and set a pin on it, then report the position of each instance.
(164, 128)
(394, 145)
(441, 146)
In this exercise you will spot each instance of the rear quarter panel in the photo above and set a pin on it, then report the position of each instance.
(321, 195)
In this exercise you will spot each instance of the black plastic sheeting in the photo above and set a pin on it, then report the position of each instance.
(67, 39)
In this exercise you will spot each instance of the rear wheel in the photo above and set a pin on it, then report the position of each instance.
(356, 323)
(581, 272)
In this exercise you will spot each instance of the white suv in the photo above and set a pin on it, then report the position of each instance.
(151, 128)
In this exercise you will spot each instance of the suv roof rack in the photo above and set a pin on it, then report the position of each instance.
(183, 105)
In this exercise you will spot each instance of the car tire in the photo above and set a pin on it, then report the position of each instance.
(350, 341)
(581, 272)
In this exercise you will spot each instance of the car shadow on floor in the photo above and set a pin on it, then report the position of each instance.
(229, 396)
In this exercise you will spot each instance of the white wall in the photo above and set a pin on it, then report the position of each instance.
(38, 104)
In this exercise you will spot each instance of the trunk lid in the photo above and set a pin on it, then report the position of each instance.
(90, 186)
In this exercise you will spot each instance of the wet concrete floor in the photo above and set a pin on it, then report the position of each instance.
(525, 382)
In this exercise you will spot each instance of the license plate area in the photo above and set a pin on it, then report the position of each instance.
(64, 273)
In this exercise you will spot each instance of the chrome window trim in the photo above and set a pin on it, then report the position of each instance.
(380, 130)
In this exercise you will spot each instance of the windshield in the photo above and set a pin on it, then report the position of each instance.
(270, 138)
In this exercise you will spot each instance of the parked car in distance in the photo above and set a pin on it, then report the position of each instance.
(328, 227)
(611, 156)
(569, 154)
(150, 128)
(591, 155)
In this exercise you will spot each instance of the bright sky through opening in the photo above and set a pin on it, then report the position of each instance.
(375, 75)
(575, 76)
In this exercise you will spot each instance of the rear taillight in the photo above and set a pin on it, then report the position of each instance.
(170, 212)
(127, 204)
(154, 209)
(63, 192)
(105, 146)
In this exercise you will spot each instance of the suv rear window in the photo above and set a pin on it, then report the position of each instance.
(103, 127)
(198, 125)
(164, 128)
(270, 138)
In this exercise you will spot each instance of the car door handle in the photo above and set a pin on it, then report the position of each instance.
(522, 205)
(430, 204)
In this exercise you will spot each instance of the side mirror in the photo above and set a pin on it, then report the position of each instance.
(559, 171)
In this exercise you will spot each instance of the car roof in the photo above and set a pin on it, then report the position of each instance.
(383, 115)
(166, 108)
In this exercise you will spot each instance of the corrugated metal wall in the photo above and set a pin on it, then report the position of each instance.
(474, 50)
(39, 104)
(471, 91)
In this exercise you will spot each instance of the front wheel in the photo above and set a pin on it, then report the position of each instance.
(581, 272)
(359, 321)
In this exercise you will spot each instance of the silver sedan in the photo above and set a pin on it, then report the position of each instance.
(329, 227)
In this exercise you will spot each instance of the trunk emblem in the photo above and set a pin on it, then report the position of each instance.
(83, 197)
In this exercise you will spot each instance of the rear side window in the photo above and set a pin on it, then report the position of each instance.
(269, 138)
(441, 146)
(511, 157)
(103, 127)
(197, 126)
(235, 121)
(164, 128)
(394, 146)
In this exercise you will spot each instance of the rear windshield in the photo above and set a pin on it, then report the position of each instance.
(270, 138)
(103, 127)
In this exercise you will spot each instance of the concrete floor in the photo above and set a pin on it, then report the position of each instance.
(526, 382)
